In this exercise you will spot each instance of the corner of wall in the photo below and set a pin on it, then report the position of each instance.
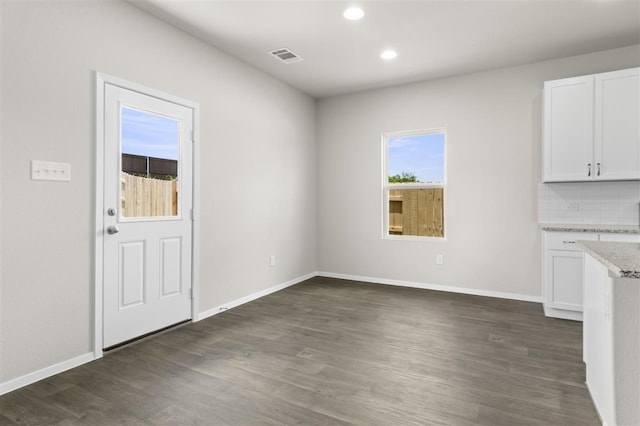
(316, 188)
(1, 83)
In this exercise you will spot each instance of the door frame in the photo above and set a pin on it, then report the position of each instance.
(101, 79)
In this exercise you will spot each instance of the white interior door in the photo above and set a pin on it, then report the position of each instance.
(147, 219)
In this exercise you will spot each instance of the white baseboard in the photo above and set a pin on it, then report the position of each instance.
(43, 373)
(594, 403)
(501, 295)
(426, 286)
(562, 314)
(219, 309)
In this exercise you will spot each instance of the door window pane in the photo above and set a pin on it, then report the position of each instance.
(150, 147)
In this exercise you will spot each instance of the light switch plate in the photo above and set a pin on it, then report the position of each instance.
(48, 170)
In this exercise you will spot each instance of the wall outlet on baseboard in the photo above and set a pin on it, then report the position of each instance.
(439, 259)
(272, 260)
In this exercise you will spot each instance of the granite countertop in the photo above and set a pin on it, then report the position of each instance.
(568, 227)
(622, 259)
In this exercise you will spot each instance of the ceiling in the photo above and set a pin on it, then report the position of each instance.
(433, 39)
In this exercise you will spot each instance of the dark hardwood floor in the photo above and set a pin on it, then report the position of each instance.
(335, 352)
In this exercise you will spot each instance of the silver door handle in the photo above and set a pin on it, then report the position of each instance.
(589, 169)
(112, 230)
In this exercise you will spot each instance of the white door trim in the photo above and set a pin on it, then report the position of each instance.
(101, 80)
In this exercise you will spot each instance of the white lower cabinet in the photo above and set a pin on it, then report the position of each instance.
(563, 270)
(563, 274)
(564, 280)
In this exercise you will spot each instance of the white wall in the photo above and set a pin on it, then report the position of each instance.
(493, 121)
(257, 167)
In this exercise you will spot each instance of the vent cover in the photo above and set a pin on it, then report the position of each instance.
(286, 55)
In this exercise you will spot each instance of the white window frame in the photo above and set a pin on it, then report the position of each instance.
(386, 186)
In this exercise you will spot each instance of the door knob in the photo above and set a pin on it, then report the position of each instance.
(112, 230)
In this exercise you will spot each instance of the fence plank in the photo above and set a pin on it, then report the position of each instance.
(174, 198)
(395, 212)
(427, 212)
(409, 212)
(438, 216)
(148, 197)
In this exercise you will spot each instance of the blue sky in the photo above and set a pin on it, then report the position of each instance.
(422, 155)
(150, 135)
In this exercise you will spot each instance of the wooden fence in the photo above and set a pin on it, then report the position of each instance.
(159, 168)
(147, 197)
(416, 212)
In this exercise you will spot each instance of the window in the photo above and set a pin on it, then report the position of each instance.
(414, 183)
(150, 146)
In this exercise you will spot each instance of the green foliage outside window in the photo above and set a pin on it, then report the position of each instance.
(404, 177)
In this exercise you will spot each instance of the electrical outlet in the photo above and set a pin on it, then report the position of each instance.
(272, 260)
(573, 207)
(439, 259)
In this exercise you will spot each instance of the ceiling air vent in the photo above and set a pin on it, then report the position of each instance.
(286, 55)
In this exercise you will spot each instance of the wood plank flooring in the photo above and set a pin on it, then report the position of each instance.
(332, 352)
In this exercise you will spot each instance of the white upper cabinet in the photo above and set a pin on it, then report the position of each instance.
(591, 127)
(568, 132)
(617, 125)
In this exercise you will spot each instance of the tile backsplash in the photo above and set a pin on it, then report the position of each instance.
(598, 203)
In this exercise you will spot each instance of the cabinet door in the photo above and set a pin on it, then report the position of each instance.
(563, 279)
(617, 125)
(568, 129)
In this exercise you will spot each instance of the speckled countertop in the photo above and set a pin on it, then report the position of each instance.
(614, 229)
(623, 259)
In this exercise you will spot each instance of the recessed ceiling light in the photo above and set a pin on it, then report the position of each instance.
(387, 55)
(353, 13)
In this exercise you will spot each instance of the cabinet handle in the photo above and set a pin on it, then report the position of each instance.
(589, 169)
(598, 169)
(568, 242)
